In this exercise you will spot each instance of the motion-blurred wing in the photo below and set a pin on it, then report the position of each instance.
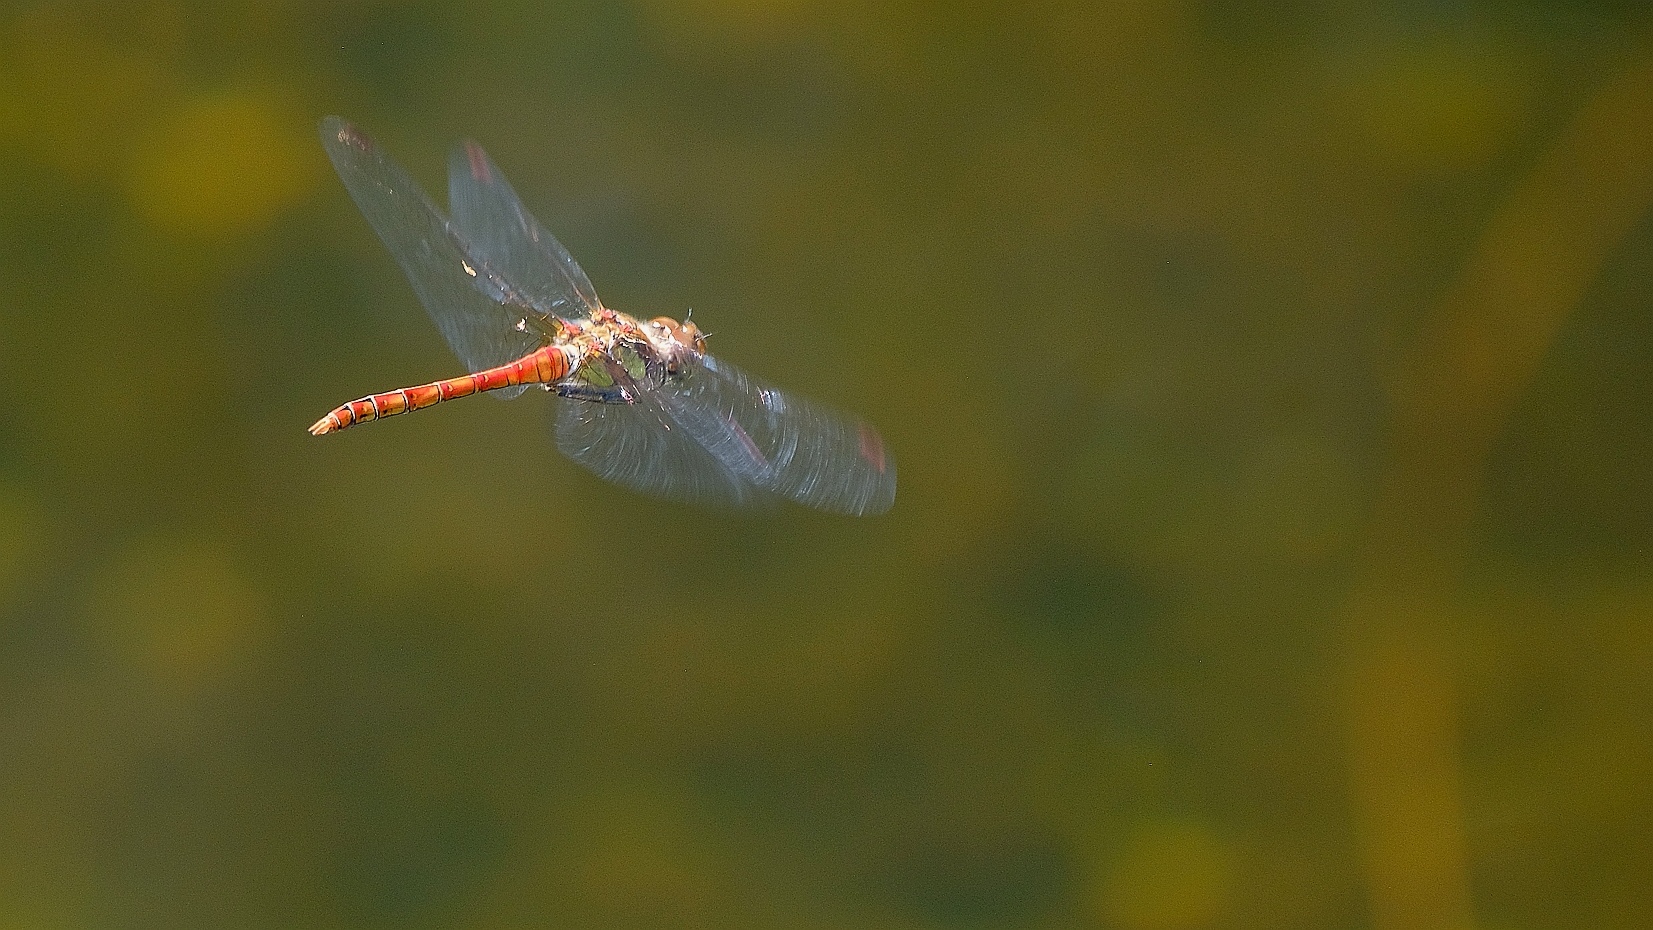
(789, 446)
(716, 434)
(640, 446)
(460, 292)
(499, 230)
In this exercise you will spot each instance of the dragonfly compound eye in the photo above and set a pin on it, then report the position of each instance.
(684, 335)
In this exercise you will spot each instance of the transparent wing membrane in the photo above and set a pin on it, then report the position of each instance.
(714, 434)
(639, 446)
(458, 290)
(499, 230)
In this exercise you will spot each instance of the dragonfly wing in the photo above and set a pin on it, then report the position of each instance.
(713, 434)
(789, 446)
(640, 446)
(462, 294)
(499, 230)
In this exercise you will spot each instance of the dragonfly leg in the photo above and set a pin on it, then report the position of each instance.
(574, 390)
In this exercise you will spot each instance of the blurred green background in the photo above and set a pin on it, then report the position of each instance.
(1272, 385)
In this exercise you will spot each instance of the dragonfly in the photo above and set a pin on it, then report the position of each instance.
(642, 403)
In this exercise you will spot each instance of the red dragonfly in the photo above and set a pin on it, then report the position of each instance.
(645, 405)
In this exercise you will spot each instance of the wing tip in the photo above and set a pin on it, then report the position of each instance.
(477, 160)
(338, 131)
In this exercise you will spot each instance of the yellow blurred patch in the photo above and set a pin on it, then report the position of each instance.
(1171, 875)
(1446, 106)
(222, 165)
(737, 21)
(71, 98)
(178, 610)
(21, 527)
(970, 487)
(636, 856)
(28, 907)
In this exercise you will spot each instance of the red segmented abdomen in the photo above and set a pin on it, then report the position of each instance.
(542, 366)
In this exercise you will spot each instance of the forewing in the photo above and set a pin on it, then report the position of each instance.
(460, 292)
(791, 447)
(493, 221)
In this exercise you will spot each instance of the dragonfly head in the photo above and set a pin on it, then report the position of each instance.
(671, 337)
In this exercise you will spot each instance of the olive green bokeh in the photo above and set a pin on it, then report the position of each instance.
(1271, 386)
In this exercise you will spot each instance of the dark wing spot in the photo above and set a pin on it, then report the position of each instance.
(479, 162)
(872, 446)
